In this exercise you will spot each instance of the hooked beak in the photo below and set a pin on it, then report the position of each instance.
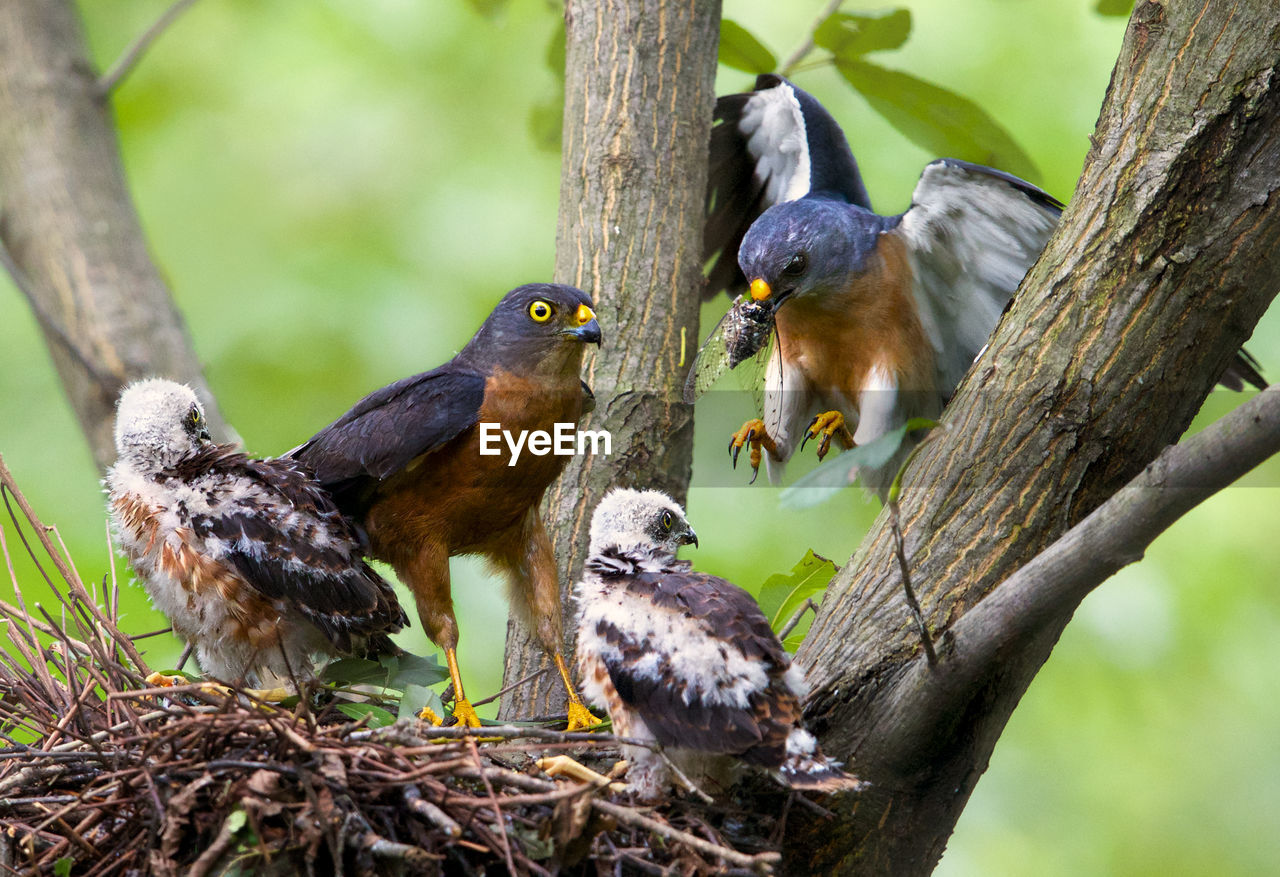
(584, 327)
(763, 294)
(688, 537)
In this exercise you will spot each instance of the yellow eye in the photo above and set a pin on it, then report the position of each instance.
(194, 417)
(667, 521)
(540, 311)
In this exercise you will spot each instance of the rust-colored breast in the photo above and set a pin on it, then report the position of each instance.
(837, 338)
(463, 500)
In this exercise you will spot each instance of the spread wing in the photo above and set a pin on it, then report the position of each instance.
(704, 669)
(273, 525)
(971, 232)
(773, 144)
(390, 427)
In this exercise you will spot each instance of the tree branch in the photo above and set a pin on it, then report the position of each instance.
(124, 65)
(71, 228)
(1051, 586)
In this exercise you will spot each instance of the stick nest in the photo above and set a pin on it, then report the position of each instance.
(103, 774)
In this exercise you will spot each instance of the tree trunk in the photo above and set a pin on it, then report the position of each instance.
(77, 248)
(1166, 258)
(639, 92)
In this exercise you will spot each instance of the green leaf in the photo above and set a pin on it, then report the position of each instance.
(1117, 8)
(940, 121)
(742, 51)
(546, 123)
(415, 698)
(62, 867)
(379, 717)
(849, 34)
(236, 820)
(416, 670)
(355, 671)
(783, 593)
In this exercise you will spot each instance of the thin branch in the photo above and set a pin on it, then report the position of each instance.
(124, 65)
(806, 46)
(794, 621)
(1051, 585)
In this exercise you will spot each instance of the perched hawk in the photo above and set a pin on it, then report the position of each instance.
(249, 559)
(408, 464)
(878, 317)
(685, 659)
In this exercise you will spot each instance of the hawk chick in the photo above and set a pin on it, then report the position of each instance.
(685, 659)
(249, 559)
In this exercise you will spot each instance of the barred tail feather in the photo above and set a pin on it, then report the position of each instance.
(807, 769)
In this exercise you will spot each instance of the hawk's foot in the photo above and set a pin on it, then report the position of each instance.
(465, 714)
(828, 424)
(564, 766)
(160, 680)
(754, 435)
(580, 718)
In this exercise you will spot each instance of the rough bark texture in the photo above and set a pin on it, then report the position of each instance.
(71, 228)
(1168, 255)
(639, 93)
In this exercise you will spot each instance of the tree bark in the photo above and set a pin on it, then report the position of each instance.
(639, 92)
(78, 252)
(1166, 258)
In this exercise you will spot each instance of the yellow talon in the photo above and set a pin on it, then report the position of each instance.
(580, 718)
(826, 425)
(754, 435)
(564, 766)
(465, 713)
(430, 715)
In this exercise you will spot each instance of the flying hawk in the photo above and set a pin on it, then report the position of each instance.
(407, 463)
(249, 559)
(877, 317)
(686, 660)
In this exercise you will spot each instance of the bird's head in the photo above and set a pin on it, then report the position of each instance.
(806, 247)
(159, 423)
(538, 323)
(640, 519)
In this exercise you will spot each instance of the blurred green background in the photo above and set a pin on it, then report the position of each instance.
(340, 190)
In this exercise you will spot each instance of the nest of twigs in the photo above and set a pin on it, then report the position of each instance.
(103, 774)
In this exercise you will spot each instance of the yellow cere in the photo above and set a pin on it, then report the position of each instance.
(760, 290)
(584, 315)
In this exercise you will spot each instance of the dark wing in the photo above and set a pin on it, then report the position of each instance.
(774, 144)
(713, 681)
(390, 427)
(971, 234)
(283, 534)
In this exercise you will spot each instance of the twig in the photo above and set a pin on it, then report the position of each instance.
(433, 814)
(806, 46)
(899, 548)
(794, 621)
(761, 862)
(124, 65)
(512, 687)
(497, 808)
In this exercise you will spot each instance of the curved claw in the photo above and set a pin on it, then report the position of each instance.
(753, 435)
(824, 426)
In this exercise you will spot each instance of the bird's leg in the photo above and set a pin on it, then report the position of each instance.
(754, 434)
(530, 565)
(463, 711)
(580, 717)
(826, 425)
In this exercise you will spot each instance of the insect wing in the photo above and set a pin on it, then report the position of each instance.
(711, 362)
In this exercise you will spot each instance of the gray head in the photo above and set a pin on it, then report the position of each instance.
(628, 518)
(158, 424)
(805, 246)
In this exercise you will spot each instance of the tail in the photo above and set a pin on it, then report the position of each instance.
(807, 769)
